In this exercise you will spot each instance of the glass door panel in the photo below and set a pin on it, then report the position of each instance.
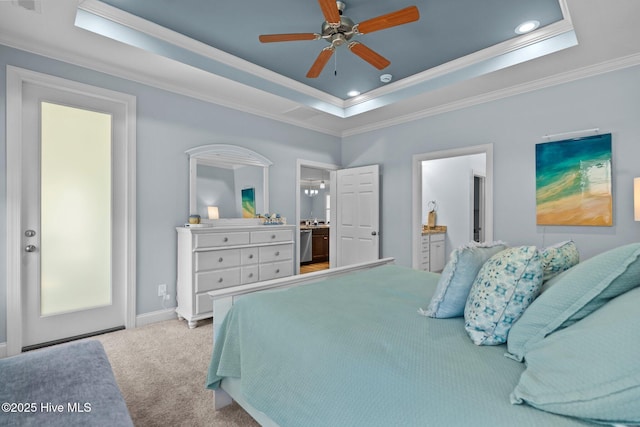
(75, 184)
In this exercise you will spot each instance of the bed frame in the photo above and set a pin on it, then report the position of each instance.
(223, 300)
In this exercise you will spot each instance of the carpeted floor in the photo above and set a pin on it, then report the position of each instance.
(161, 370)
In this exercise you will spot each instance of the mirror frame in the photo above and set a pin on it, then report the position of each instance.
(225, 154)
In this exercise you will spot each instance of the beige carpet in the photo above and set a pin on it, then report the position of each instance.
(161, 370)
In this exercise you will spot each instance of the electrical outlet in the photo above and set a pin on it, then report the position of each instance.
(167, 297)
(162, 290)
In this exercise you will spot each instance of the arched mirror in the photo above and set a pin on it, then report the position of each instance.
(227, 182)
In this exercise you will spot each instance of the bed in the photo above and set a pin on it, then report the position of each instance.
(351, 347)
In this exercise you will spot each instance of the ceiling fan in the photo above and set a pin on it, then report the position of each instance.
(338, 30)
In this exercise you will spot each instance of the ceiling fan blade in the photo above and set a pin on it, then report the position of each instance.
(320, 62)
(330, 11)
(369, 55)
(399, 17)
(270, 38)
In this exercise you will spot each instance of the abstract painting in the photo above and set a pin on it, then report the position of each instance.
(249, 203)
(573, 182)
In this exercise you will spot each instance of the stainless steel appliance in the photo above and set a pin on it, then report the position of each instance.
(305, 246)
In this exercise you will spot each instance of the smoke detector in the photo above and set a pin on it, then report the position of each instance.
(386, 78)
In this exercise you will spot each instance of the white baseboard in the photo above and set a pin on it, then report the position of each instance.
(141, 320)
(155, 316)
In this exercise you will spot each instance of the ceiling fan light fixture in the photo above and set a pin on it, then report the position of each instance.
(527, 27)
(338, 30)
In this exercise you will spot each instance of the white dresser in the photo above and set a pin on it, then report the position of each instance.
(433, 251)
(220, 257)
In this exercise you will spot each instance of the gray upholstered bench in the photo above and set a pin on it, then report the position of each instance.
(66, 385)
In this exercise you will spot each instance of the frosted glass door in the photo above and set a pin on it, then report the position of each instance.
(72, 214)
(75, 210)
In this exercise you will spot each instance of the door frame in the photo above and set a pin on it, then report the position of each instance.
(482, 202)
(416, 199)
(16, 78)
(332, 232)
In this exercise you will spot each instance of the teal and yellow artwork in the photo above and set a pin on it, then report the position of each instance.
(573, 182)
(248, 203)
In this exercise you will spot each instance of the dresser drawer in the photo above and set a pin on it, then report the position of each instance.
(204, 304)
(437, 237)
(221, 239)
(249, 256)
(217, 279)
(210, 260)
(276, 253)
(271, 236)
(276, 270)
(249, 274)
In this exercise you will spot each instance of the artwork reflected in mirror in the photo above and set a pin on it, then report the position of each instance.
(248, 202)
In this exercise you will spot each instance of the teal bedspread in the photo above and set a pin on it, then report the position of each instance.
(353, 351)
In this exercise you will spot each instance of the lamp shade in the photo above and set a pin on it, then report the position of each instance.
(636, 199)
(213, 212)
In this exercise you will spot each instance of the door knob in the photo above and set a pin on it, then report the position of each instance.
(30, 233)
(30, 248)
(374, 233)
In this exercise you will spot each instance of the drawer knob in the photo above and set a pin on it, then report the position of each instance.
(278, 253)
(220, 259)
(251, 256)
(220, 280)
(273, 236)
(250, 274)
(277, 271)
(226, 239)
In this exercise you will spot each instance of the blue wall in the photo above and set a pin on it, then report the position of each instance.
(168, 124)
(610, 102)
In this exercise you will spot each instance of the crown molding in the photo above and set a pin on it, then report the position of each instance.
(551, 31)
(114, 23)
(557, 79)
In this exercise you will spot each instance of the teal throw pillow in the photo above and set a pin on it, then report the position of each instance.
(505, 286)
(574, 294)
(591, 369)
(457, 277)
(559, 258)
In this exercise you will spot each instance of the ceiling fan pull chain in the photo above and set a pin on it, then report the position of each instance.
(335, 64)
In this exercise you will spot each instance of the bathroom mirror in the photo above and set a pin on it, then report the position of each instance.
(232, 178)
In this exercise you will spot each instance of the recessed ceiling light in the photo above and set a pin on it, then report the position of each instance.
(527, 27)
(353, 93)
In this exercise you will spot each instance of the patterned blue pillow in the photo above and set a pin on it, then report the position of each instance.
(507, 283)
(559, 258)
(455, 281)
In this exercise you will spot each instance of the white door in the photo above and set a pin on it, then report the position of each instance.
(358, 214)
(72, 276)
